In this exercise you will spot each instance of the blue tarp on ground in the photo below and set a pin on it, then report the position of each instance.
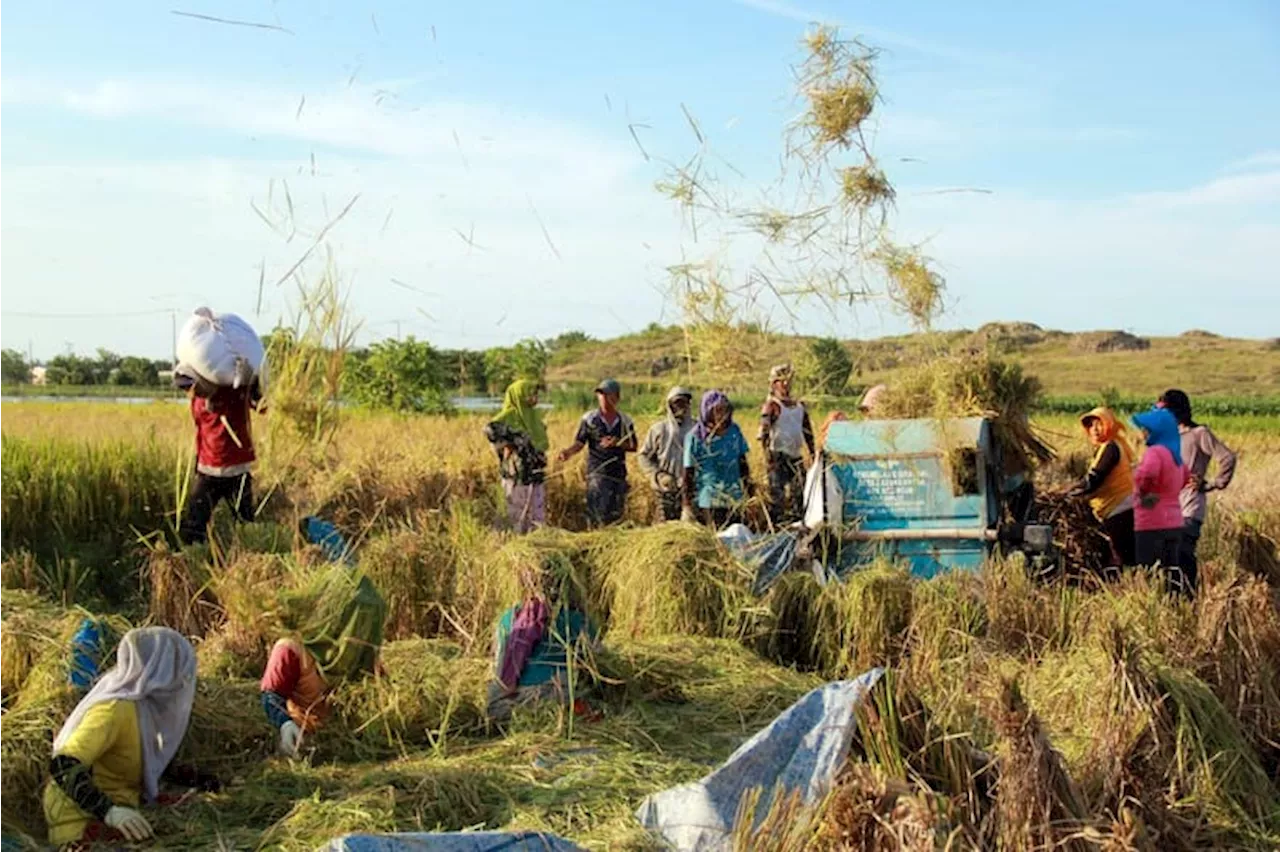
(802, 749)
(452, 841)
(323, 533)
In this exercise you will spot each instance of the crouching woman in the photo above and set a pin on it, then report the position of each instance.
(120, 738)
(538, 644)
(341, 639)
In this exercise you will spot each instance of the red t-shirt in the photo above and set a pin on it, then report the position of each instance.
(223, 438)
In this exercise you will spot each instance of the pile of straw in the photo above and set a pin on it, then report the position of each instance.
(1077, 534)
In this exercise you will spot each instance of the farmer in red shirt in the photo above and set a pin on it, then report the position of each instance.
(224, 453)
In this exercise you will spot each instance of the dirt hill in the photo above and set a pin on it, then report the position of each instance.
(1068, 363)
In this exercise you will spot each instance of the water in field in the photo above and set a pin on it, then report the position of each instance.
(462, 403)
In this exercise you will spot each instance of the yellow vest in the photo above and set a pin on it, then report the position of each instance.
(1116, 488)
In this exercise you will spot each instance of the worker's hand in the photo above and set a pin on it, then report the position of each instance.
(127, 821)
(608, 441)
(1196, 483)
(562, 456)
(686, 514)
(290, 738)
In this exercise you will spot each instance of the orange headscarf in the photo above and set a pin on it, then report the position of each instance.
(1112, 430)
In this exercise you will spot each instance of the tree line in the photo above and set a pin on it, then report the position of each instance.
(107, 368)
(400, 375)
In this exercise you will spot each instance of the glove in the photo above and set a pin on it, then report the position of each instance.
(127, 821)
(686, 514)
(290, 739)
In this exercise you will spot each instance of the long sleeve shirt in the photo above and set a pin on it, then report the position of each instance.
(1200, 447)
(1158, 479)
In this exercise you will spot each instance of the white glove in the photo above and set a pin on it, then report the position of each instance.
(127, 821)
(290, 738)
(686, 514)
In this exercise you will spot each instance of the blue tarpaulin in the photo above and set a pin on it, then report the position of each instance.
(802, 750)
(452, 841)
(327, 536)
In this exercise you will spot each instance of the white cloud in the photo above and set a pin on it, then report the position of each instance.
(1202, 256)
(364, 118)
(1260, 160)
(113, 236)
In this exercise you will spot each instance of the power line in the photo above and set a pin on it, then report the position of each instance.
(39, 315)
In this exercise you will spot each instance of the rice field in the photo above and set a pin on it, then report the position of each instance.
(1018, 716)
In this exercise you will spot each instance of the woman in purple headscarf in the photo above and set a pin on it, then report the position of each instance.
(717, 481)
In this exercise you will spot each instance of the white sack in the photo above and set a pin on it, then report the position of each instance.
(222, 348)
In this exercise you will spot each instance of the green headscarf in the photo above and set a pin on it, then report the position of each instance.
(344, 630)
(519, 414)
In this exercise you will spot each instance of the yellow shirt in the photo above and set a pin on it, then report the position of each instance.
(106, 739)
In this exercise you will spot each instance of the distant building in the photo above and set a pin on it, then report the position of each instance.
(37, 375)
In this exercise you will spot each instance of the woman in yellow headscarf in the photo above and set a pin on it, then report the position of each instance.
(1109, 483)
(519, 437)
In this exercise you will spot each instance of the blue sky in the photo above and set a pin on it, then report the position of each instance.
(1131, 153)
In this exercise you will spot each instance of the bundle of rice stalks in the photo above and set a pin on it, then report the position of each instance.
(970, 385)
(26, 745)
(416, 574)
(1038, 805)
(670, 578)
(948, 621)
(228, 731)
(558, 563)
(1249, 546)
(869, 810)
(1099, 704)
(30, 627)
(248, 592)
(913, 287)
(1077, 534)
(426, 692)
(837, 79)
(900, 736)
(865, 186)
(20, 571)
(1214, 775)
(178, 584)
(841, 629)
(1238, 642)
(1026, 618)
(315, 820)
(42, 701)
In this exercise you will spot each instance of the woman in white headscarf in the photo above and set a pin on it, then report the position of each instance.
(110, 753)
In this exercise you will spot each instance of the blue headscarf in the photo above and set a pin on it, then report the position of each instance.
(1162, 431)
(706, 411)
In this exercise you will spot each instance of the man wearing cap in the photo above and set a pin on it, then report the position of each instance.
(661, 456)
(785, 431)
(608, 435)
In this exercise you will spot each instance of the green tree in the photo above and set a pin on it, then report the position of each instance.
(567, 340)
(71, 370)
(526, 360)
(135, 372)
(400, 375)
(830, 366)
(105, 366)
(14, 369)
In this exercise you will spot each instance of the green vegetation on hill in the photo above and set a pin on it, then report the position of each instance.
(1067, 364)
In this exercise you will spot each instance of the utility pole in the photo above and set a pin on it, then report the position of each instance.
(397, 329)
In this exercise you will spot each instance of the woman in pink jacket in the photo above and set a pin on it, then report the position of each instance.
(1157, 511)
